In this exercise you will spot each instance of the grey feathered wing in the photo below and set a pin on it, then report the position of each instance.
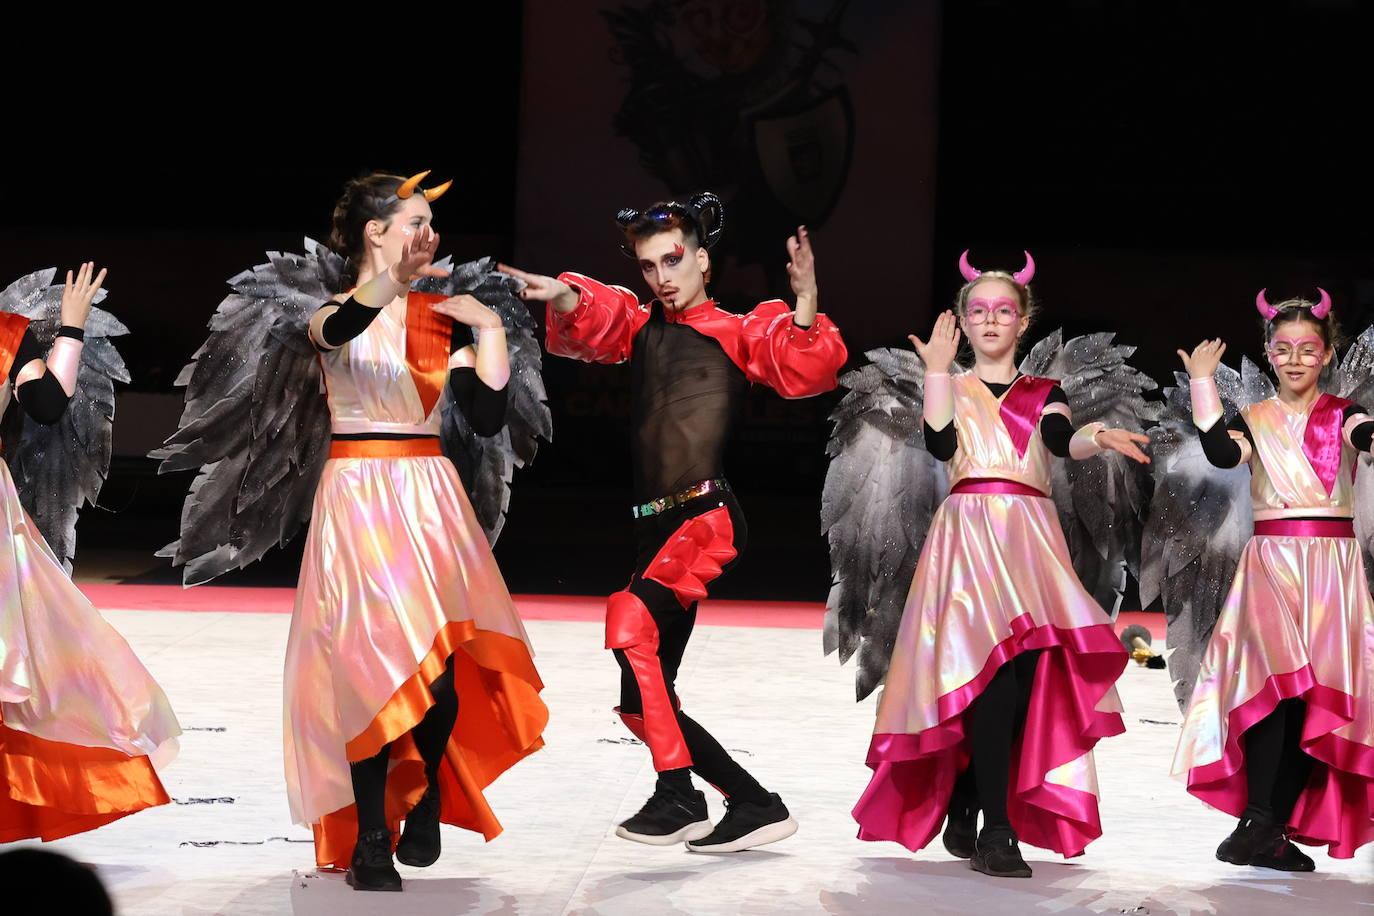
(1199, 521)
(487, 464)
(59, 468)
(1101, 501)
(1353, 378)
(881, 491)
(256, 423)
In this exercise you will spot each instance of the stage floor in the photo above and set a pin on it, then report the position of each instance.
(228, 846)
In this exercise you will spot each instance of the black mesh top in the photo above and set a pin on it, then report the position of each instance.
(687, 394)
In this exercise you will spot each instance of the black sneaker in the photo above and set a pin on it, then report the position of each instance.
(1251, 837)
(996, 853)
(419, 845)
(372, 868)
(667, 818)
(1282, 855)
(747, 825)
(961, 827)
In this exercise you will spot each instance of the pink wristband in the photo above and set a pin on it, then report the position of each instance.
(938, 406)
(1206, 402)
(64, 362)
(1084, 442)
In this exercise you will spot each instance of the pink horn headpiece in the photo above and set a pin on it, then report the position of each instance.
(1265, 309)
(967, 269)
(971, 273)
(1323, 306)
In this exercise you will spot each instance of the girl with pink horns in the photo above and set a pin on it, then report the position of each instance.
(1279, 730)
(1002, 676)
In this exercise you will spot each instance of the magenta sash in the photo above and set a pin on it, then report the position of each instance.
(1322, 441)
(1021, 409)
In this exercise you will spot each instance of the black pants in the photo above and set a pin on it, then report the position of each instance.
(1277, 769)
(431, 736)
(649, 661)
(996, 719)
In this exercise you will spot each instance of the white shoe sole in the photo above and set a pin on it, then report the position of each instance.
(697, 831)
(768, 833)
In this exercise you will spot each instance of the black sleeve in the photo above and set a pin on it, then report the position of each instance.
(485, 407)
(1221, 450)
(1362, 436)
(29, 350)
(350, 320)
(42, 398)
(1056, 430)
(942, 444)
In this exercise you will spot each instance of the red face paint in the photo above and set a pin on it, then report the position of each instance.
(678, 250)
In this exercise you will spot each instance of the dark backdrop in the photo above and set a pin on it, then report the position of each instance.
(1161, 160)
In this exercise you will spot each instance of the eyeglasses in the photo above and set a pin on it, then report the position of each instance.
(1307, 356)
(1002, 313)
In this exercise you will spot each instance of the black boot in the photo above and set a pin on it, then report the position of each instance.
(961, 827)
(669, 817)
(996, 854)
(419, 845)
(372, 868)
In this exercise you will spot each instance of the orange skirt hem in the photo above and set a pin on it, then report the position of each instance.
(500, 720)
(53, 790)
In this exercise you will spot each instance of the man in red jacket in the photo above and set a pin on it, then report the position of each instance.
(691, 363)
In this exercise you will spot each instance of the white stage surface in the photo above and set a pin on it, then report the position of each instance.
(227, 845)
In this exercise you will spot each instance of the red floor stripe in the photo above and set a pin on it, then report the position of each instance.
(232, 600)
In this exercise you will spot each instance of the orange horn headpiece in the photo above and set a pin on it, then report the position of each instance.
(411, 184)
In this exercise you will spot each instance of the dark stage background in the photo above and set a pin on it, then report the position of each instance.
(1162, 160)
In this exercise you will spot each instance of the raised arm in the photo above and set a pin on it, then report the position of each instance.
(43, 385)
(587, 320)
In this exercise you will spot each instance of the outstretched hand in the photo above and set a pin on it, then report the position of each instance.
(416, 257)
(1125, 442)
(469, 310)
(79, 293)
(801, 264)
(1205, 358)
(539, 288)
(938, 355)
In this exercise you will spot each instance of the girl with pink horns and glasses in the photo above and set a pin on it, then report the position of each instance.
(1279, 729)
(1003, 669)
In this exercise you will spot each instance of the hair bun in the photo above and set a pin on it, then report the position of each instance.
(367, 197)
